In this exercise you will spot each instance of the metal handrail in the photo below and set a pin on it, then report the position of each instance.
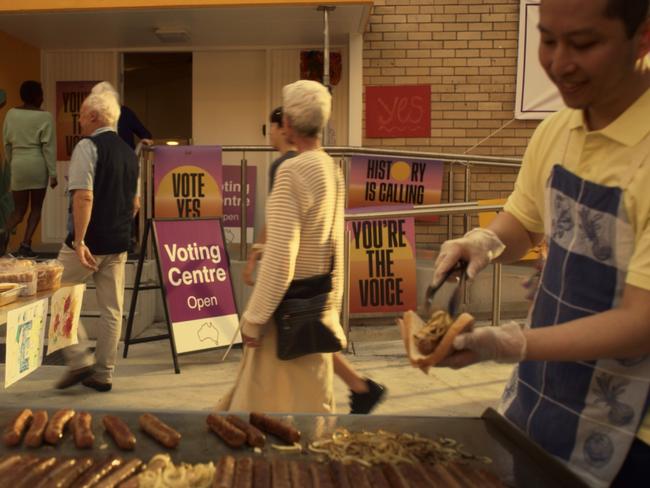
(426, 211)
(466, 160)
(475, 160)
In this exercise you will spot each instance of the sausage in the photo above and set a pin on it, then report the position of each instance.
(488, 479)
(339, 474)
(357, 476)
(225, 472)
(19, 471)
(82, 431)
(157, 463)
(159, 431)
(377, 479)
(120, 432)
(461, 474)
(230, 434)
(394, 476)
(7, 463)
(65, 478)
(243, 473)
(12, 463)
(320, 475)
(416, 475)
(34, 435)
(434, 478)
(50, 478)
(438, 348)
(36, 472)
(299, 474)
(439, 474)
(96, 472)
(261, 473)
(254, 436)
(280, 473)
(54, 430)
(278, 428)
(120, 474)
(466, 475)
(13, 433)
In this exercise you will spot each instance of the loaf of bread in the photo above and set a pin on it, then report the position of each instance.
(429, 343)
(49, 274)
(20, 271)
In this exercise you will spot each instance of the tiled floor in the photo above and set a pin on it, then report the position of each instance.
(145, 380)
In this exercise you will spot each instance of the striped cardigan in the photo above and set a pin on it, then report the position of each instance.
(308, 195)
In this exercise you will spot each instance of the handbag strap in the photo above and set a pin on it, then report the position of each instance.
(336, 204)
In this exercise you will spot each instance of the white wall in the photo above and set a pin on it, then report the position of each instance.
(537, 97)
(229, 97)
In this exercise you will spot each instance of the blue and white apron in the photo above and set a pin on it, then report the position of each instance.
(586, 413)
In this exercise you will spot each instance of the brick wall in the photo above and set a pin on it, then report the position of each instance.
(466, 50)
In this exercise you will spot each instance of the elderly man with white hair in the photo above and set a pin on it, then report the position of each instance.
(102, 183)
(304, 222)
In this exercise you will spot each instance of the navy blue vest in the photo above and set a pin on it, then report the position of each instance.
(114, 188)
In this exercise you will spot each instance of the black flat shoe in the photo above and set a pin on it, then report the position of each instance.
(97, 385)
(74, 376)
(363, 403)
(24, 252)
(4, 241)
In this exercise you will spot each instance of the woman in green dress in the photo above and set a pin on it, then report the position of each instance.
(6, 201)
(30, 150)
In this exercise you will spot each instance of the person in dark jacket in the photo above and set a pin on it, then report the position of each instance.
(129, 126)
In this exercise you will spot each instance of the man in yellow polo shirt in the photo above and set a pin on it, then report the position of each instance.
(581, 387)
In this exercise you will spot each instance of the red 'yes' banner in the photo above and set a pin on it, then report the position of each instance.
(398, 111)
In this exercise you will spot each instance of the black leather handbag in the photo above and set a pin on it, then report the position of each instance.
(299, 317)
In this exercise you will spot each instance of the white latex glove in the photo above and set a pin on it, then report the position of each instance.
(503, 344)
(478, 247)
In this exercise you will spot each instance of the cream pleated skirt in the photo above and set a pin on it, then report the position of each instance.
(266, 384)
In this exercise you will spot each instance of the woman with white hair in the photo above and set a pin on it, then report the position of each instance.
(104, 102)
(304, 222)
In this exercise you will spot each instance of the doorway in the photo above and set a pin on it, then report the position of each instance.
(158, 88)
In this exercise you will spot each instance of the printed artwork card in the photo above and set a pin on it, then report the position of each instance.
(64, 319)
(25, 337)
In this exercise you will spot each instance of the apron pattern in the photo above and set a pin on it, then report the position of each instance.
(585, 413)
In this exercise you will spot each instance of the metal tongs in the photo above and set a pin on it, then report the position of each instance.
(454, 301)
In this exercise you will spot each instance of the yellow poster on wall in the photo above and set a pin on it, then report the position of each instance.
(382, 265)
(69, 97)
(187, 182)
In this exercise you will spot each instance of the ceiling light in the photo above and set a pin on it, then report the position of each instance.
(168, 35)
(172, 143)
